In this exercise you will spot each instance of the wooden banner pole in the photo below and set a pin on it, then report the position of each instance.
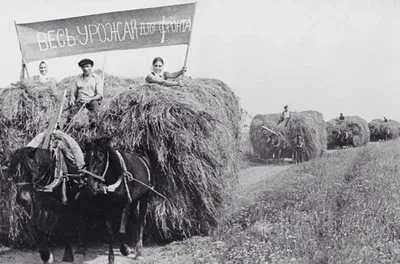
(22, 74)
(104, 65)
(23, 69)
(190, 37)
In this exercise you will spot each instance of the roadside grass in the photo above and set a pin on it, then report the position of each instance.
(342, 208)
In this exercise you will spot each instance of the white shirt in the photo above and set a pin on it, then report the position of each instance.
(286, 114)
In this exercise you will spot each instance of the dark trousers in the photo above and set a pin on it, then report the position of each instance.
(92, 107)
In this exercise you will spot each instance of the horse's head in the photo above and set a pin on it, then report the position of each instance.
(336, 134)
(97, 160)
(21, 171)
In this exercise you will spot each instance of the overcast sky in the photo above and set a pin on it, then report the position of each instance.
(327, 55)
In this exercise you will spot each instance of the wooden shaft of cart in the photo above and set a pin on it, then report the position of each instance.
(54, 121)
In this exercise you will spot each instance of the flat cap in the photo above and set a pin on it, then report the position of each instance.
(85, 61)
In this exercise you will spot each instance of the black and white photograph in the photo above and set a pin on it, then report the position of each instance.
(200, 132)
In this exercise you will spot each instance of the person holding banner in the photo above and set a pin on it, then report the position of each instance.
(87, 92)
(161, 77)
(43, 78)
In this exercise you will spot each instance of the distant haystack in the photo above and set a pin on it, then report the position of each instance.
(356, 126)
(258, 136)
(309, 124)
(381, 130)
(246, 147)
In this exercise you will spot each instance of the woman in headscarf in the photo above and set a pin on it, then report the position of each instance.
(43, 77)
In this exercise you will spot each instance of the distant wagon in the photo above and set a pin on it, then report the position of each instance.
(303, 134)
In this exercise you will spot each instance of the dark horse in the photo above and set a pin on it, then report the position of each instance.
(127, 177)
(33, 170)
(299, 149)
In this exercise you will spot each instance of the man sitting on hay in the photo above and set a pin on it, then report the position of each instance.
(285, 115)
(87, 92)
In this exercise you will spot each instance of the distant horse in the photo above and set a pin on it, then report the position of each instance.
(280, 149)
(346, 139)
(375, 134)
(33, 169)
(386, 134)
(275, 145)
(127, 178)
(299, 147)
(336, 134)
(343, 139)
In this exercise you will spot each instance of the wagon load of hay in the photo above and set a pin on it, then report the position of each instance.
(191, 134)
(113, 85)
(356, 126)
(308, 124)
(26, 109)
(381, 130)
(245, 144)
(311, 126)
(259, 136)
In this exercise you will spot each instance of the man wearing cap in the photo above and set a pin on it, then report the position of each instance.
(88, 89)
(285, 114)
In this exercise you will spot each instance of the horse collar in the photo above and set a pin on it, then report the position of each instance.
(107, 163)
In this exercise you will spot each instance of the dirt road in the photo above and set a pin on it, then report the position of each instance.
(194, 250)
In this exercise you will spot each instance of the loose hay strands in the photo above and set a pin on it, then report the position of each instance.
(378, 128)
(25, 109)
(310, 125)
(113, 85)
(357, 126)
(258, 136)
(192, 134)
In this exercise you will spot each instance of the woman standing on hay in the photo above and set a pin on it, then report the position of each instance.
(43, 78)
(161, 77)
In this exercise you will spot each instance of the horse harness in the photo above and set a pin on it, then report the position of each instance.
(126, 176)
(60, 177)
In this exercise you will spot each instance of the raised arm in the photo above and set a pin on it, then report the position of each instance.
(154, 79)
(169, 75)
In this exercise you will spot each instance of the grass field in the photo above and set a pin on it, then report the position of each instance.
(342, 208)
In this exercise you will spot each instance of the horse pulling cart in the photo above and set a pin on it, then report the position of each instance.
(53, 176)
